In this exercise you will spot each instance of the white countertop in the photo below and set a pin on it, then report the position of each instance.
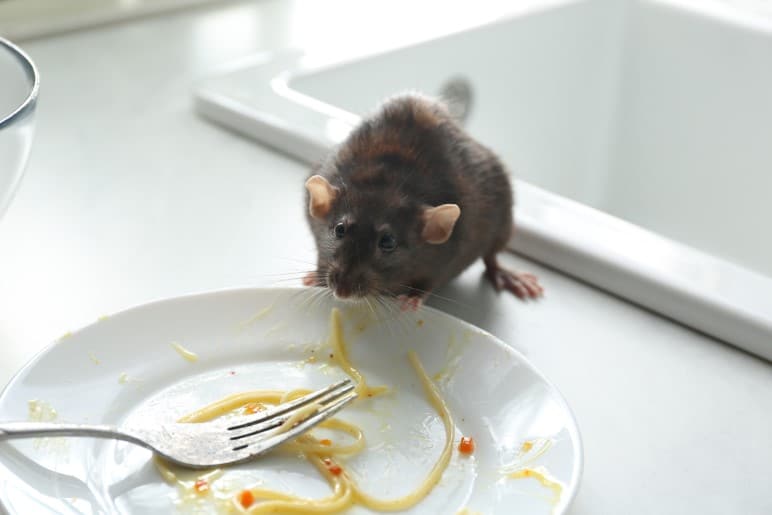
(130, 197)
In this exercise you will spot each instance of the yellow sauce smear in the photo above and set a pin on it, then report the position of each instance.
(257, 316)
(541, 475)
(185, 353)
(40, 411)
(323, 453)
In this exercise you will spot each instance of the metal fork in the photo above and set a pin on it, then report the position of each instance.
(207, 444)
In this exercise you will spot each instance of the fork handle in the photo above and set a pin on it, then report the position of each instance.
(9, 430)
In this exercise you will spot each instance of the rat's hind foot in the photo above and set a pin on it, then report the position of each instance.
(523, 285)
(311, 279)
(410, 302)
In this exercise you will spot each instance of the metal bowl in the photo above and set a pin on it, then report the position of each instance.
(19, 82)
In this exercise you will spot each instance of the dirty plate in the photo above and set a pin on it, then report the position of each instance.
(134, 365)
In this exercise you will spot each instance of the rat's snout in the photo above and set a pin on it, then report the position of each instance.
(346, 284)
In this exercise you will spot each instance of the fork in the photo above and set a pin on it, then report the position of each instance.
(208, 444)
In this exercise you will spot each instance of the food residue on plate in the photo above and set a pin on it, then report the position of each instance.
(274, 329)
(246, 498)
(328, 451)
(452, 361)
(201, 486)
(253, 407)
(257, 316)
(466, 445)
(185, 353)
(528, 452)
(326, 454)
(541, 475)
(93, 358)
(361, 316)
(40, 411)
(125, 378)
(521, 467)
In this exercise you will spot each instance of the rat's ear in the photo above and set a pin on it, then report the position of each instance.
(439, 222)
(321, 195)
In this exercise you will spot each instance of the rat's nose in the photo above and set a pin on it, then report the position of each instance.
(344, 284)
(338, 285)
(343, 292)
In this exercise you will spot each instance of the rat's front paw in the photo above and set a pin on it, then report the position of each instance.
(410, 302)
(311, 279)
(523, 285)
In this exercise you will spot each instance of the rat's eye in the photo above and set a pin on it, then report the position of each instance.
(340, 230)
(387, 243)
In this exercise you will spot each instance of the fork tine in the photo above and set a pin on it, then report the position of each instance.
(323, 400)
(292, 405)
(260, 444)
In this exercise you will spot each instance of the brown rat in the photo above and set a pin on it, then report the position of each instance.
(408, 202)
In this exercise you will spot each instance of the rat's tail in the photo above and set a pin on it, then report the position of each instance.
(456, 94)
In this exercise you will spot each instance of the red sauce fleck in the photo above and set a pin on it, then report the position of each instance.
(201, 486)
(253, 407)
(232, 372)
(466, 446)
(246, 498)
(332, 467)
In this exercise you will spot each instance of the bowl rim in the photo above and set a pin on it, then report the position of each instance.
(32, 73)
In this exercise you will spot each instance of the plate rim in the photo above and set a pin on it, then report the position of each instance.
(577, 469)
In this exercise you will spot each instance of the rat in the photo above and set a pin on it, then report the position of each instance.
(407, 202)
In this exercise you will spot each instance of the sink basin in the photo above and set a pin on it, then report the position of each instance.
(637, 131)
(18, 96)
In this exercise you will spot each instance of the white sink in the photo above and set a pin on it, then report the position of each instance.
(639, 132)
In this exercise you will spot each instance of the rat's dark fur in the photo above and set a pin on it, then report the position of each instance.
(409, 155)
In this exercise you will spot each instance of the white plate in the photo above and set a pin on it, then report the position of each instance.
(124, 366)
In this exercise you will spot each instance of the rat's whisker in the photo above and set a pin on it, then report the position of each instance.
(369, 305)
(389, 319)
(296, 260)
(301, 294)
(311, 296)
(293, 272)
(390, 302)
(298, 279)
(321, 295)
(428, 294)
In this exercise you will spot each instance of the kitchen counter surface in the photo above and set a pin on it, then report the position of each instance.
(130, 197)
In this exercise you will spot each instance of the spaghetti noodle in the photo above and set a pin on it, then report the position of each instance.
(323, 454)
